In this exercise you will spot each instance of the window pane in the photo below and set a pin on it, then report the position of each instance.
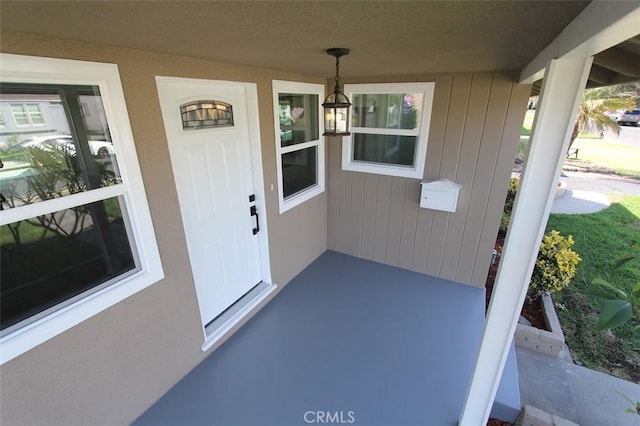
(94, 120)
(206, 114)
(35, 114)
(2, 122)
(74, 152)
(298, 118)
(19, 115)
(387, 111)
(299, 171)
(52, 258)
(387, 149)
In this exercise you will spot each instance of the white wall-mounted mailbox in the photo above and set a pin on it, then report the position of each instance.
(440, 194)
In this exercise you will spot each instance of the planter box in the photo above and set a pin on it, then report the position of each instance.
(547, 342)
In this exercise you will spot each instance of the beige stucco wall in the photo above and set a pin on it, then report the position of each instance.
(473, 137)
(110, 368)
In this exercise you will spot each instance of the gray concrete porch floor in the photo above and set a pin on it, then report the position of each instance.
(578, 394)
(349, 337)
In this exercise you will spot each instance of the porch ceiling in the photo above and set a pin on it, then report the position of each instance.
(386, 38)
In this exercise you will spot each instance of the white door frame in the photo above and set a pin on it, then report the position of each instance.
(251, 92)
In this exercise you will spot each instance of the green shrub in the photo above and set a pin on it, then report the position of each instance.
(620, 304)
(555, 266)
(508, 203)
(511, 195)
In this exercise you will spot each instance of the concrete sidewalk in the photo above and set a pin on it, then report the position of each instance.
(577, 201)
(589, 192)
(578, 394)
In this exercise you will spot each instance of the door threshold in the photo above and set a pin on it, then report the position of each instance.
(224, 322)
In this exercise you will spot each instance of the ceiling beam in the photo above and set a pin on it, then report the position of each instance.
(620, 79)
(620, 61)
(598, 27)
(601, 75)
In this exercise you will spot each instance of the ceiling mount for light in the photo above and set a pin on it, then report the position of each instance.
(336, 105)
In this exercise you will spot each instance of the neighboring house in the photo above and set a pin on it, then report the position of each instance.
(28, 115)
(24, 116)
(133, 328)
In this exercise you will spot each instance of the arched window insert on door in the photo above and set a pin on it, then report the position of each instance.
(206, 114)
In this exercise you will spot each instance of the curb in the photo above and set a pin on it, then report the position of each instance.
(532, 416)
(547, 342)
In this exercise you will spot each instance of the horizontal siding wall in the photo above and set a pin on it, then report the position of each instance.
(474, 134)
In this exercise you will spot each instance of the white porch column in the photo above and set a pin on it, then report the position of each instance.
(562, 90)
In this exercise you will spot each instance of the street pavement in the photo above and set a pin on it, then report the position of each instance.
(629, 135)
(602, 183)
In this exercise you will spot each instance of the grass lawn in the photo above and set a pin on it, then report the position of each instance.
(528, 122)
(600, 239)
(623, 159)
(522, 146)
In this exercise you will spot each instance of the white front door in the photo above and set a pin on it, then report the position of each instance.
(212, 168)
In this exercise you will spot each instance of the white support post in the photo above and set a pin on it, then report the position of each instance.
(562, 90)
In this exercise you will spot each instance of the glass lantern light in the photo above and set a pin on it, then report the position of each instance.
(336, 105)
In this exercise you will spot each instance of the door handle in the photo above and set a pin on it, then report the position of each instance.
(254, 212)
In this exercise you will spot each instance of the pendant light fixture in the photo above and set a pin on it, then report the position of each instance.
(336, 105)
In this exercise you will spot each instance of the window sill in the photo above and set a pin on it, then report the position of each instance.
(300, 197)
(38, 332)
(382, 169)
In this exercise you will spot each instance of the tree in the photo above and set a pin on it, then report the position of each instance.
(619, 91)
(592, 114)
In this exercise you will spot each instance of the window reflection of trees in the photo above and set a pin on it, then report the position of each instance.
(55, 256)
(55, 172)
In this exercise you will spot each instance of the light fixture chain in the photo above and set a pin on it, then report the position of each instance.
(337, 88)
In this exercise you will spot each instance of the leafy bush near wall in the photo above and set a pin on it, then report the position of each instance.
(619, 304)
(556, 263)
(508, 203)
(555, 266)
(511, 195)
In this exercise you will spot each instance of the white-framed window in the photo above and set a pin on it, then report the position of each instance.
(299, 141)
(27, 115)
(390, 128)
(2, 122)
(76, 232)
